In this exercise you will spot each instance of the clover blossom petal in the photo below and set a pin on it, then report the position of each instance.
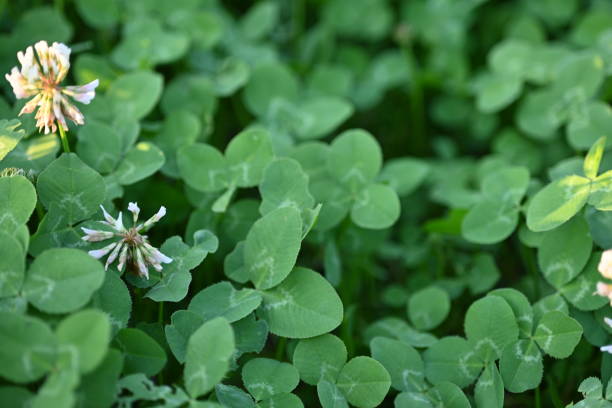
(43, 68)
(132, 247)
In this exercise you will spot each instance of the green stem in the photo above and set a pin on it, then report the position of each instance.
(538, 402)
(64, 138)
(553, 392)
(417, 111)
(530, 262)
(160, 313)
(280, 348)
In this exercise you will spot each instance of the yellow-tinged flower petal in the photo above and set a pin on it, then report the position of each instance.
(605, 264)
(40, 76)
(82, 93)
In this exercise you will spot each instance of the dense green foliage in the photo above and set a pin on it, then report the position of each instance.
(369, 203)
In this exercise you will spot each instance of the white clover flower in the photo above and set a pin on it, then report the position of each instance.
(607, 348)
(605, 264)
(40, 77)
(132, 247)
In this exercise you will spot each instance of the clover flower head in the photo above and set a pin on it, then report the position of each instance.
(40, 76)
(132, 247)
(608, 348)
(605, 264)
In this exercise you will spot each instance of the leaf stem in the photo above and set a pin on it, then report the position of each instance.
(417, 111)
(64, 138)
(553, 392)
(280, 348)
(160, 313)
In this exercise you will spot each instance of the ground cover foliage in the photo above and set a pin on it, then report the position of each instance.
(365, 203)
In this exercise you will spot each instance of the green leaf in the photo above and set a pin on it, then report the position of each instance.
(412, 400)
(10, 135)
(428, 307)
(319, 358)
(62, 280)
(449, 395)
(209, 351)
(403, 363)
(376, 207)
(180, 128)
(354, 159)
(113, 297)
(14, 396)
(203, 167)
(322, 116)
(304, 305)
(518, 302)
(98, 389)
(364, 382)
(176, 276)
(146, 43)
(191, 92)
(507, 185)
(284, 184)
(600, 223)
(511, 57)
(272, 246)
(483, 274)
(247, 156)
(539, 114)
(489, 390)
(452, 359)
(99, 14)
(580, 292)
(140, 388)
(594, 122)
(521, 366)
(547, 304)
(42, 22)
(557, 202)
(398, 329)
(565, 251)
(264, 377)
(183, 324)
(557, 334)
(232, 74)
(404, 175)
(282, 400)
(251, 335)
(496, 91)
(260, 20)
(140, 162)
(490, 325)
(88, 333)
(580, 77)
(100, 146)
(330, 396)
(233, 397)
(135, 94)
(12, 265)
(142, 354)
(71, 187)
(600, 196)
(593, 158)
(490, 221)
(28, 350)
(17, 201)
(269, 82)
(221, 299)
